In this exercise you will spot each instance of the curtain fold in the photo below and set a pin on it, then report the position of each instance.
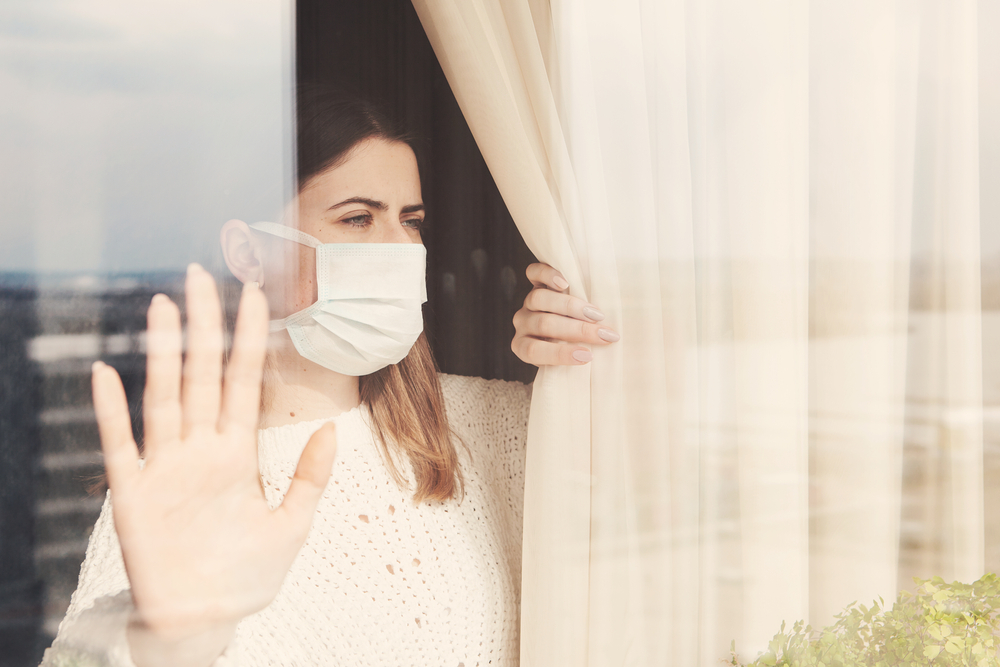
(776, 204)
(863, 63)
(494, 63)
(947, 392)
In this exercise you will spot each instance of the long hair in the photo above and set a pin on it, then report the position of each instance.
(404, 399)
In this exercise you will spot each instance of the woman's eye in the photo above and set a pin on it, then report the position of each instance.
(414, 223)
(358, 220)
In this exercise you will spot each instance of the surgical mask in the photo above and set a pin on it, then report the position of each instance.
(367, 315)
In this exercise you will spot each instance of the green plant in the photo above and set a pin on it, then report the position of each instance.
(941, 624)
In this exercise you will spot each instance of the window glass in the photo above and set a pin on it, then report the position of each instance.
(129, 132)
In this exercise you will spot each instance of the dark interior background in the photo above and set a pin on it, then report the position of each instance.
(476, 257)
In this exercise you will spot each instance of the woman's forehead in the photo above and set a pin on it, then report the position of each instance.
(373, 169)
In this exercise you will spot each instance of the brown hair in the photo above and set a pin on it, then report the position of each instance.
(407, 408)
(404, 399)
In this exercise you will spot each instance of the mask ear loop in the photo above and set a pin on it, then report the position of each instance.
(289, 234)
(286, 232)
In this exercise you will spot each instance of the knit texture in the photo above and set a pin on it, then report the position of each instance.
(380, 580)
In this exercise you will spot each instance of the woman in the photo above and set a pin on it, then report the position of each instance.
(241, 540)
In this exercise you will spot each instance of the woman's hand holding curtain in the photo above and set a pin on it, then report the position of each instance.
(554, 328)
(201, 547)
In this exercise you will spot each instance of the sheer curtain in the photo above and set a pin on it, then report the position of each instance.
(777, 205)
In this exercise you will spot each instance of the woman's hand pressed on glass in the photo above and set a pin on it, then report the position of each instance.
(201, 547)
(554, 328)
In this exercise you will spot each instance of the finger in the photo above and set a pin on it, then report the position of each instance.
(559, 328)
(162, 398)
(546, 353)
(121, 456)
(311, 477)
(241, 391)
(543, 275)
(203, 366)
(545, 300)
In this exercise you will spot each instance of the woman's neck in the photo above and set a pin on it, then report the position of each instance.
(298, 390)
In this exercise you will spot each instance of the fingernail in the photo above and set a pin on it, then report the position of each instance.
(96, 366)
(159, 298)
(251, 285)
(560, 282)
(593, 313)
(609, 335)
(583, 356)
(194, 267)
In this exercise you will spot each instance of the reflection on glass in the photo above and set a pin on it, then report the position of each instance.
(131, 132)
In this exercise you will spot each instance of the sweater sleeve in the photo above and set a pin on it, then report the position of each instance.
(93, 632)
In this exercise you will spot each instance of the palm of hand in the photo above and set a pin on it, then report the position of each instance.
(187, 525)
(201, 546)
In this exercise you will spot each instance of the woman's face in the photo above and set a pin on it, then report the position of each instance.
(373, 196)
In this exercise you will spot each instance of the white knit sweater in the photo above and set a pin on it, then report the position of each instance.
(379, 580)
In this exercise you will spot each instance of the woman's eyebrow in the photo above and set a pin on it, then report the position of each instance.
(412, 208)
(374, 203)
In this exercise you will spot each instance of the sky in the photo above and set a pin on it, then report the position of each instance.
(131, 131)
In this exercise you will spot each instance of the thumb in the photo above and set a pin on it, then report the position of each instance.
(311, 477)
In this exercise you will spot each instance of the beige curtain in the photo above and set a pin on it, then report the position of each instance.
(777, 205)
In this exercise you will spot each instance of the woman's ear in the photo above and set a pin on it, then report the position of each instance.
(242, 252)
